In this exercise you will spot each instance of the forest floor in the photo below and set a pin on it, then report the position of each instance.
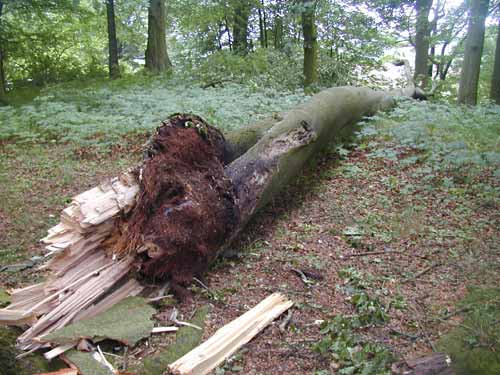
(384, 254)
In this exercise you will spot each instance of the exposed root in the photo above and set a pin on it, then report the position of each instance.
(186, 205)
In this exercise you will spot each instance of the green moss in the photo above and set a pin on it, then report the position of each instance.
(9, 365)
(186, 339)
(4, 298)
(128, 321)
(474, 345)
(86, 364)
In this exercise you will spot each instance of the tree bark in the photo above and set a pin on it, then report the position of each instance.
(264, 19)
(422, 36)
(310, 43)
(240, 27)
(114, 68)
(495, 78)
(261, 29)
(2, 68)
(261, 172)
(278, 32)
(471, 65)
(157, 59)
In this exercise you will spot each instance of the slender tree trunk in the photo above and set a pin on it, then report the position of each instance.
(310, 43)
(278, 32)
(432, 34)
(114, 68)
(2, 69)
(240, 27)
(422, 36)
(261, 29)
(495, 78)
(471, 66)
(157, 59)
(264, 18)
(229, 37)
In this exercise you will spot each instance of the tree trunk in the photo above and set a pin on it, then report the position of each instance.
(261, 29)
(264, 19)
(278, 32)
(157, 59)
(98, 221)
(471, 65)
(114, 68)
(2, 69)
(310, 43)
(229, 37)
(240, 27)
(261, 172)
(495, 78)
(422, 35)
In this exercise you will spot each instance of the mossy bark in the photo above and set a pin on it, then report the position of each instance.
(157, 59)
(2, 68)
(263, 171)
(241, 140)
(240, 26)
(495, 78)
(422, 36)
(310, 43)
(471, 66)
(114, 69)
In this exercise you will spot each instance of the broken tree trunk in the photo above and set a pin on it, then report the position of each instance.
(172, 216)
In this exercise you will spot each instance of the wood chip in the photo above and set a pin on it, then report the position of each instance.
(164, 329)
(56, 352)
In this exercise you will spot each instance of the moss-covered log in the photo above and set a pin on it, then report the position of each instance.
(281, 153)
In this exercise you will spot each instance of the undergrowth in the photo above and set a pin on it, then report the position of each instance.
(101, 113)
(448, 136)
(474, 344)
(343, 342)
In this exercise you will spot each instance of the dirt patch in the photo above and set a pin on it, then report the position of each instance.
(186, 206)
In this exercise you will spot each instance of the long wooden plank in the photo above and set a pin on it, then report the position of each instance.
(228, 339)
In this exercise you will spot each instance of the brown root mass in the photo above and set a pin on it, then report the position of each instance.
(186, 206)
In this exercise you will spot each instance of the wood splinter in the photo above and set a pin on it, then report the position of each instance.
(228, 339)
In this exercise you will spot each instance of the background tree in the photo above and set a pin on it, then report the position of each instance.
(263, 25)
(471, 65)
(310, 42)
(157, 59)
(422, 36)
(2, 70)
(495, 78)
(242, 9)
(114, 69)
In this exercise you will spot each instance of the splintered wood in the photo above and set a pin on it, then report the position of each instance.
(227, 340)
(91, 209)
(82, 273)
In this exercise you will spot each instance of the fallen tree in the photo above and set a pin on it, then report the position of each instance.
(170, 217)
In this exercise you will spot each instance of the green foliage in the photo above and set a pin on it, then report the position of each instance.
(51, 42)
(341, 341)
(450, 137)
(101, 113)
(350, 351)
(474, 345)
(186, 339)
